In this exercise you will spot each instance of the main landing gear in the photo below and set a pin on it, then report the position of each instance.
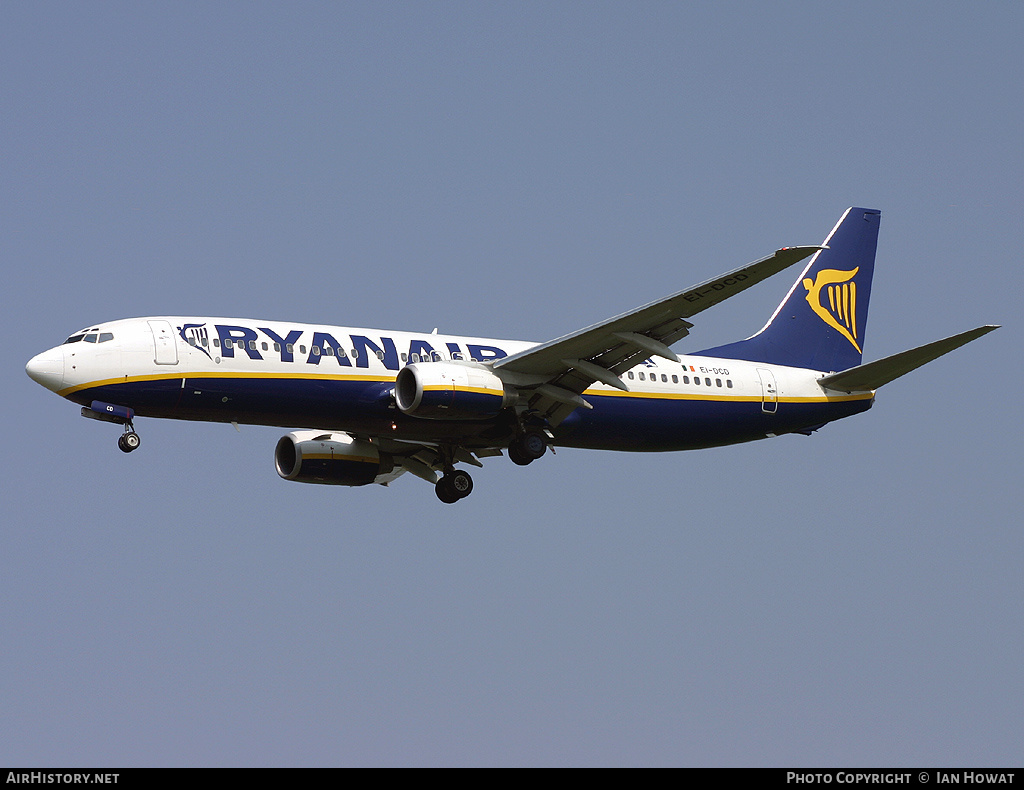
(528, 446)
(453, 486)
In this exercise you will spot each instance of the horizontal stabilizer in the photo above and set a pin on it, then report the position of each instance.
(874, 374)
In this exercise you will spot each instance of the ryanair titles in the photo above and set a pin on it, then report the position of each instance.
(314, 347)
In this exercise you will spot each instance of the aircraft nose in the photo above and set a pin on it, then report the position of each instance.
(48, 368)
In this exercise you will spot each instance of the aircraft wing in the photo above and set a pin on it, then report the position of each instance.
(560, 370)
(425, 459)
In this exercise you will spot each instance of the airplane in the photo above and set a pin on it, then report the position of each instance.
(371, 405)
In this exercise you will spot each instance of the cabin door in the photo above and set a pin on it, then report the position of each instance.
(769, 392)
(163, 339)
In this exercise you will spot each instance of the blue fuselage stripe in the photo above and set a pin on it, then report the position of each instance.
(367, 406)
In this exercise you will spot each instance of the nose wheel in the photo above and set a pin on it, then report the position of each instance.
(129, 441)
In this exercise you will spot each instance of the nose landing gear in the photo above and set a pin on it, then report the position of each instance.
(121, 415)
(129, 440)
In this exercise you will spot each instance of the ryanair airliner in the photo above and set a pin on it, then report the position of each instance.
(372, 405)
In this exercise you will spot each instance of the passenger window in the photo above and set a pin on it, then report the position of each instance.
(316, 351)
(415, 357)
(206, 341)
(227, 343)
(380, 355)
(707, 382)
(329, 351)
(664, 378)
(265, 346)
(277, 347)
(192, 341)
(675, 379)
(302, 349)
(289, 347)
(630, 375)
(252, 345)
(718, 382)
(696, 380)
(216, 343)
(728, 383)
(642, 377)
(403, 356)
(686, 379)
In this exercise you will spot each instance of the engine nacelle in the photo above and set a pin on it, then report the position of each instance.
(331, 459)
(450, 391)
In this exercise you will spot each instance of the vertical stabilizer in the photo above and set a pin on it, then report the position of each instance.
(821, 322)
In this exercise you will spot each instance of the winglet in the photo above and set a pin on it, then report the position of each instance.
(873, 375)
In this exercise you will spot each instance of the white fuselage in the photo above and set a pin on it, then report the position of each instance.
(341, 378)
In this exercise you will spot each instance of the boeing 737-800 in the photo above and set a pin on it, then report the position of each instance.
(374, 404)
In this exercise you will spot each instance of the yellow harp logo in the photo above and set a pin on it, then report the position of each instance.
(841, 313)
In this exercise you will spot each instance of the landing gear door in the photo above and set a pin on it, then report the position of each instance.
(769, 392)
(163, 339)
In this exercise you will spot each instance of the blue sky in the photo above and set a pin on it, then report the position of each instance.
(517, 171)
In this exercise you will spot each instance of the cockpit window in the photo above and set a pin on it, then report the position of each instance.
(90, 336)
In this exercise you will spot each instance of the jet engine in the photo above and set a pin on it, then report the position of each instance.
(332, 459)
(447, 391)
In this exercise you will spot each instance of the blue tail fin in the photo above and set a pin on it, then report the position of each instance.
(821, 322)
